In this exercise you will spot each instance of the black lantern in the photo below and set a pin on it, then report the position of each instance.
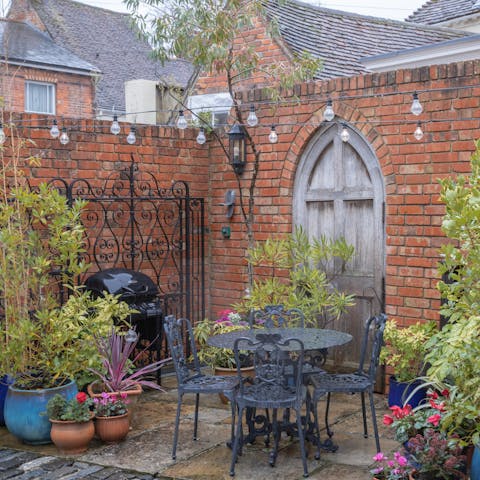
(236, 140)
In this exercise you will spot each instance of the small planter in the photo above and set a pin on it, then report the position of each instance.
(112, 429)
(230, 372)
(72, 437)
(5, 381)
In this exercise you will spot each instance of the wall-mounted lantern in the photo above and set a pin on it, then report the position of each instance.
(236, 140)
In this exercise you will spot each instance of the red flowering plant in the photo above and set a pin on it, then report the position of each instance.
(395, 467)
(77, 409)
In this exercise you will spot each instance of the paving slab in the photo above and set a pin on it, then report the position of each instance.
(146, 452)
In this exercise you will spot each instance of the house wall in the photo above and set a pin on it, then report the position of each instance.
(75, 94)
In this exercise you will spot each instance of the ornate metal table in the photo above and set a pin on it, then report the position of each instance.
(313, 339)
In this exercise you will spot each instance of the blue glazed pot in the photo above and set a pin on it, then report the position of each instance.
(25, 412)
(400, 391)
(5, 381)
(475, 466)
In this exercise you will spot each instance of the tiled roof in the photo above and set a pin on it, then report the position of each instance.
(436, 11)
(22, 44)
(341, 39)
(106, 39)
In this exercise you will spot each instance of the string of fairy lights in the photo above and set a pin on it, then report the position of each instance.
(252, 120)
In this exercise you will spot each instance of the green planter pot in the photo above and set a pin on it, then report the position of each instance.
(25, 412)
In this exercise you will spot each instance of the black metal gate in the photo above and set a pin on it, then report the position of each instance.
(133, 222)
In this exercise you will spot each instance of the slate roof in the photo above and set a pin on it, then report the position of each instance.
(23, 44)
(436, 11)
(105, 39)
(341, 39)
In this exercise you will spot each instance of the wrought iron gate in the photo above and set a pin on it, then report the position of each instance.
(133, 222)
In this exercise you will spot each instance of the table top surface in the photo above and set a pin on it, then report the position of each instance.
(312, 338)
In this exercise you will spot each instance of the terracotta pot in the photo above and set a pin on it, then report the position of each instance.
(112, 429)
(230, 372)
(71, 437)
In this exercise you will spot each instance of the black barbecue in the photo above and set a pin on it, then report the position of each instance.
(141, 293)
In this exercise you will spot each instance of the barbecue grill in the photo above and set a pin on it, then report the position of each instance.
(141, 293)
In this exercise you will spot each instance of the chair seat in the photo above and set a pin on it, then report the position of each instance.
(209, 384)
(341, 382)
(270, 396)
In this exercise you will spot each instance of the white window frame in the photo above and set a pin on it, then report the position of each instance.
(51, 97)
(216, 103)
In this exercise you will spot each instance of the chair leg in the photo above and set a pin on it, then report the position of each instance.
(301, 437)
(177, 422)
(233, 407)
(374, 421)
(314, 409)
(276, 438)
(195, 424)
(364, 413)
(237, 442)
(327, 408)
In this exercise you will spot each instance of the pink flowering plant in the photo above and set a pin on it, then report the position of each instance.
(395, 467)
(228, 320)
(110, 404)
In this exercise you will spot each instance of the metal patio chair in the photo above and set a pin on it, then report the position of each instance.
(189, 377)
(271, 388)
(361, 381)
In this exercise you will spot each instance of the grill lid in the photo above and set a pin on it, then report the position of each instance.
(131, 285)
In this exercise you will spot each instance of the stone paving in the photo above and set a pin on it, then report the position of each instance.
(146, 452)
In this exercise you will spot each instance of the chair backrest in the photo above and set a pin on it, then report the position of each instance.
(373, 338)
(272, 316)
(278, 363)
(178, 333)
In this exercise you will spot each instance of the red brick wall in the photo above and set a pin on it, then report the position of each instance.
(74, 94)
(378, 105)
(411, 171)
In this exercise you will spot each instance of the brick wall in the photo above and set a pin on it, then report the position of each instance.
(75, 94)
(377, 105)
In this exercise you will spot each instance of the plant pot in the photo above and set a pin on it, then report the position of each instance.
(72, 437)
(400, 391)
(112, 429)
(230, 372)
(25, 412)
(5, 381)
(475, 465)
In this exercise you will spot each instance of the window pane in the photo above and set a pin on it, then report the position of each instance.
(40, 97)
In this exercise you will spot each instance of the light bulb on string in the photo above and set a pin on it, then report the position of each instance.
(54, 131)
(416, 107)
(418, 133)
(3, 137)
(131, 137)
(328, 113)
(252, 118)
(344, 134)
(273, 137)
(181, 121)
(64, 137)
(201, 139)
(115, 127)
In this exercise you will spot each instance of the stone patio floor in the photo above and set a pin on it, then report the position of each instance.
(146, 452)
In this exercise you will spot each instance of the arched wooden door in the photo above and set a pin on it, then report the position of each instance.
(339, 192)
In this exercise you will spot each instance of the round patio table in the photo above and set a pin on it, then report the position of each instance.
(312, 338)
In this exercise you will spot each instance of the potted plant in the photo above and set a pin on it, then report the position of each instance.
(112, 422)
(221, 360)
(455, 349)
(72, 422)
(118, 374)
(404, 351)
(394, 467)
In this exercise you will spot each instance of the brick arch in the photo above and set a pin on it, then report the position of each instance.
(348, 114)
